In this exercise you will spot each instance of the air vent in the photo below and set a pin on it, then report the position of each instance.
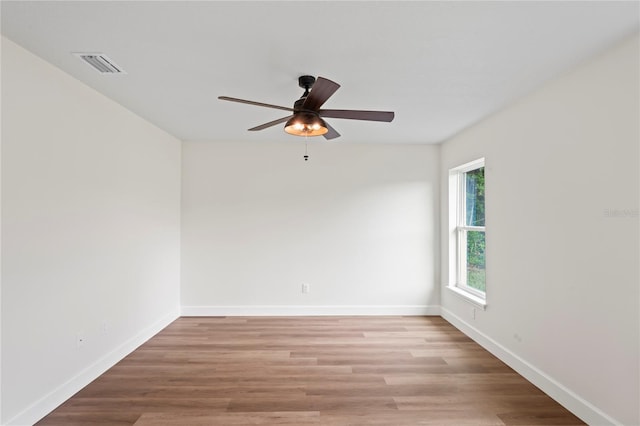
(101, 63)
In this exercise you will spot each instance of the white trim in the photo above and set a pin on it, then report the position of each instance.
(472, 228)
(55, 398)
(309, 310)
(471, 165)
(468, 296)
(567, 398)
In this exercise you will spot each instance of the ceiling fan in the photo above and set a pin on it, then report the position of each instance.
(307, 116)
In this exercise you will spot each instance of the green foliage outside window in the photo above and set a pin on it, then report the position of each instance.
(475, 239)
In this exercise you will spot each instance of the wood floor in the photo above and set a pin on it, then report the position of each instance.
(310, 371)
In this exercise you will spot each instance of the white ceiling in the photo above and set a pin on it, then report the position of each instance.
(441, 66)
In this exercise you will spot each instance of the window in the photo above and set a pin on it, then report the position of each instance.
(467, 243)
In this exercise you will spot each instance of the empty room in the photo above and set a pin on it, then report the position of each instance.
(320, 213)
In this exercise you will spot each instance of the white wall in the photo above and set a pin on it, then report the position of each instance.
(0, 244)
(562, 270)
(90, 233)
(356, 222)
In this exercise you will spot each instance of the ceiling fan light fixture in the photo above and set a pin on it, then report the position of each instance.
(305, 116)
(306, 124)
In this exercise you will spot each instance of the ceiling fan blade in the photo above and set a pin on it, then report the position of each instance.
(351, 114)
(244, 101)
(332, 133)
(321, 90)
(271, 123)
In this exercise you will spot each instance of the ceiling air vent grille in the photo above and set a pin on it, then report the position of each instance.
(101, 63)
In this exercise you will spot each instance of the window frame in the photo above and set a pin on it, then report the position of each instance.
(458, 232)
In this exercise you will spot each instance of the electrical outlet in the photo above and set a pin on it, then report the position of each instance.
(80, 340)
(305, 288)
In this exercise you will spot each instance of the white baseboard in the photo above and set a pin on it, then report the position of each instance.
(564, 396)
(48, 403)
(309, 310)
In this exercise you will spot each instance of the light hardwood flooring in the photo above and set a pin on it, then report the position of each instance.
(310, 371)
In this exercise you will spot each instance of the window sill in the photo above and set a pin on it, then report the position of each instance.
(471, 298)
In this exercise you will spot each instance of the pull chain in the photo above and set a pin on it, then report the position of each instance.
(306, 156)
